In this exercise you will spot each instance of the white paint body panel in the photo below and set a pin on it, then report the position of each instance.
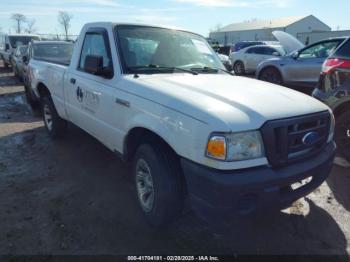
(183, 109)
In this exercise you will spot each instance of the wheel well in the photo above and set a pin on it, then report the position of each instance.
(43, 90)
(238, 61)
(270, 67)
(341, 109)
(139, 135)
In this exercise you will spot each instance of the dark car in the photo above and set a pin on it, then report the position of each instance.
(334, 90)
(243, 44)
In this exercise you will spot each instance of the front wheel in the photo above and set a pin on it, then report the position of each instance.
(342, 134)
(54, 125)
(271, 75)
(158, 183)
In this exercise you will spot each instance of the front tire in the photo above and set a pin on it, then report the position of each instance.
(55, 126)
(271, 75)
(342, 134)
(158, 183)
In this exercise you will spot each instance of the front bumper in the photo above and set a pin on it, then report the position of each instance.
(217, 194)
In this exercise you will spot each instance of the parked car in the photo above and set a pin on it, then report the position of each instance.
(17, 61)
(334, 89)
(57, 52)
(247, 59)
(244, 44)
(302, 66)
(9, 43)
(226, 61)
(151, 95)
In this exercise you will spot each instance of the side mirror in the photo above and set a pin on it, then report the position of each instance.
(7, 47)
(94, 65)
(276, 54)
(25, 59)
(295, 55)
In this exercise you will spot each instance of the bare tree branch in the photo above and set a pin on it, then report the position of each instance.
(64, 19)
(31, 26)
(19, 19)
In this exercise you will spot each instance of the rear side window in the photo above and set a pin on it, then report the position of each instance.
(344, 50)
(269, 51)
(95, 44)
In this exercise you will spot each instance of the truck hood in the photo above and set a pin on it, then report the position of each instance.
(230, 103)
(289, 42)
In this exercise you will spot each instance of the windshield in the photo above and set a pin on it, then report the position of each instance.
(16, 41)
(154, 50)
(22, 50)
(59, 52)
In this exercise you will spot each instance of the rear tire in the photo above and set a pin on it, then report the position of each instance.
(342, 134)
(54, 125)
(159, 188)
(271, 75)
(239, 68)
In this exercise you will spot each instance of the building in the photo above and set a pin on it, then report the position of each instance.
(262, 29)
(312, 37)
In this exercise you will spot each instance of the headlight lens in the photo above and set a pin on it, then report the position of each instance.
(331, 130)
(236, 146)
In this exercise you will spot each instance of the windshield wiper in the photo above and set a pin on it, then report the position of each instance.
(211, 69)
(155, 67)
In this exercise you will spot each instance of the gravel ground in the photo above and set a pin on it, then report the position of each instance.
(73, 196)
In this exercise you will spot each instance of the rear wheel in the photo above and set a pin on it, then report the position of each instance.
(271, 75)
(158, 183)
(239, 68)
(342, 134)
(54, 125)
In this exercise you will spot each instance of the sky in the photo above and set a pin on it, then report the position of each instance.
(195, 15)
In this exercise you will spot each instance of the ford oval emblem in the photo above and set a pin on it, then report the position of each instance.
(311, 138)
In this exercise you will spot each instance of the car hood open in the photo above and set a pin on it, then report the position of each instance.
(288, 42)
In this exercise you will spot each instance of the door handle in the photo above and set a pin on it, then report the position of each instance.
(73, 81)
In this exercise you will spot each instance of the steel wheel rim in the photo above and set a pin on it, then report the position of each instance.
(144, 185)
(47, 117)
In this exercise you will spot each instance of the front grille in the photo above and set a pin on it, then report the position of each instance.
(283, 138)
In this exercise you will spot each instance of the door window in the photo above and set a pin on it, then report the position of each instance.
(256, 50)
(321, 50)
(96, 44)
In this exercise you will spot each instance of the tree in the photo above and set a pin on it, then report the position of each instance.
(216, 28)
(64, 19)
(19, 19)
(31, 26)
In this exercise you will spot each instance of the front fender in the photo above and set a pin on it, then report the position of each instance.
(183, 134)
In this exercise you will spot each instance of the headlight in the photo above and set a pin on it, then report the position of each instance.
(236, 146)
(331, 129)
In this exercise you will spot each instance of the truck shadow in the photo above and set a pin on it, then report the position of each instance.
(278, 233)
(339, 183)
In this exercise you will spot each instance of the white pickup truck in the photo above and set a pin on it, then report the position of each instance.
(161, 99)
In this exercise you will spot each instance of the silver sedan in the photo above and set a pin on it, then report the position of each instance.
(299, 68)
